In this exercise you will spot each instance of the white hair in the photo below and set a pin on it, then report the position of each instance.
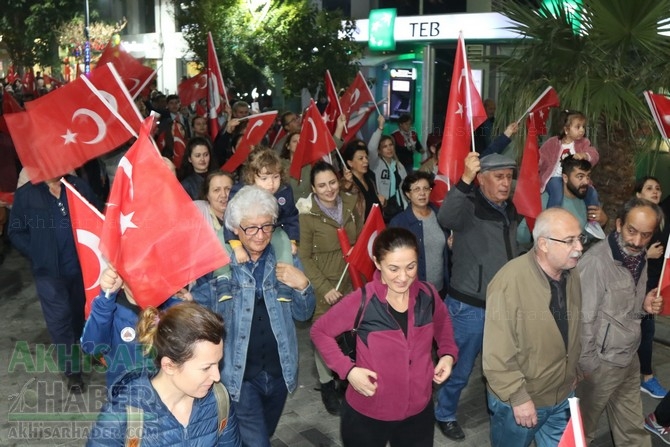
(250, 202)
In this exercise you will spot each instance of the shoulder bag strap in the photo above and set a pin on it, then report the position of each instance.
(222, 405)
(134, 424)
(357, 322)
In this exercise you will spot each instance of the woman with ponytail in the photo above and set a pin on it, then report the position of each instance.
(183, 403)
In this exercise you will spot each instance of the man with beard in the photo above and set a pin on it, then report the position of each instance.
(576, 179)
(614, 278)
(532, 340)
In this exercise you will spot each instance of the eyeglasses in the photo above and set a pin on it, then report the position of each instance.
(63, 211)
(582, 238)
(418, 189)
(253, 230)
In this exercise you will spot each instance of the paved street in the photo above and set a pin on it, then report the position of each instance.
(36, 409)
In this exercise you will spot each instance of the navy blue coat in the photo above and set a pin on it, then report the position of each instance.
(33, 228)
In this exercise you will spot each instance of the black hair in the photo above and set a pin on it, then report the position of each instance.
(391, 239)
(640, 183)
(570, 163)
(319, 167)
(414, 177)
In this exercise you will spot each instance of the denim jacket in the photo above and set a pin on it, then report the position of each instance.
(233, 298)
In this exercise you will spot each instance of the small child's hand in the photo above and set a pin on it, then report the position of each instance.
(184, 295)
(241, 255)
(580, 156)
(294, 248)
(110, 281)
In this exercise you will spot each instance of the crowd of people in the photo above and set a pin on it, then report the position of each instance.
(555, 307)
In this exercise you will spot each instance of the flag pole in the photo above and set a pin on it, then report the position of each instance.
(337, 98)
(546, 90)
(654, 113)
(339, 283)
(468, 97)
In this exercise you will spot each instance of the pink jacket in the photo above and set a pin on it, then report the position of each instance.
(551, 151)
(404, 365)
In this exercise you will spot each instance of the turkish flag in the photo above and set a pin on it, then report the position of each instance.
(440, 190)
(134, 74)
(215, 88)
(660, 110)
(280, 134)
(156, 238)
(573, 436)
(357, 104)
(110, 85)
(465, 112)
(52, 81)
(11, 74)
(361, 256)
(527, 198)
(664, 282)
(315, 141)
(540, 109)
(193, 89)
(28, 82)
(65, 129)
(9, 105)
(86, 229)
(333, 109)
(256, 129)
(178, 144)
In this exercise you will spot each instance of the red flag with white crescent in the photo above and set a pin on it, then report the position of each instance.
(540, 109)
(215, 88)
(86, 228)
(315, 141)
(193, 89)
(134, 74)
(156, 238)
(256, 129)
(65, 129)
(357, 103)
(333, 109)
(361, 255)
(660, 111)
(527, 199)
(178, 143)
(465, 112)
(110, 85)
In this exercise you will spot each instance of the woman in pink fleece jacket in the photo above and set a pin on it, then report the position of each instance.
(390, 394)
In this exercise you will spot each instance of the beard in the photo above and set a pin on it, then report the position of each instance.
(580, 193)
(627, 247)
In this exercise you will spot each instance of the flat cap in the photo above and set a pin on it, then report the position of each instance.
(495, 162)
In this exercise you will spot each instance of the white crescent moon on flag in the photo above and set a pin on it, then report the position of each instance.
(666, 119)
(110, 99)
(203, 78)
(177, 139)
(311, 123)
(256, 124)
(99, 122)
(371, 241)
(92, 241)
(135, 85)
(354, 96)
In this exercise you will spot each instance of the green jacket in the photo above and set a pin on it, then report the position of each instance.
(320, 251)
(524, 356)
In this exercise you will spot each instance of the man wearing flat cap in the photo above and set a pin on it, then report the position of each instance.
(483, 222)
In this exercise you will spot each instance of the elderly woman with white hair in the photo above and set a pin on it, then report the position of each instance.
(261, 352)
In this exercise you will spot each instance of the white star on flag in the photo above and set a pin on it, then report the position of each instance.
(69, 137)
(126, 222)
(460, 110)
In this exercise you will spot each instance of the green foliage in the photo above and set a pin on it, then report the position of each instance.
(601, 69)
(289, 38)
(28, 28)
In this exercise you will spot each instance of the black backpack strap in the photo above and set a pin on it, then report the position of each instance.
(357, 322)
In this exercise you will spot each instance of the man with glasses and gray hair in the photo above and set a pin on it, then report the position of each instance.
(614, 280)
(261, 351)
(532, 336)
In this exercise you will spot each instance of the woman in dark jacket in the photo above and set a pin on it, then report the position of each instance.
(359, 179)
(421, 219)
